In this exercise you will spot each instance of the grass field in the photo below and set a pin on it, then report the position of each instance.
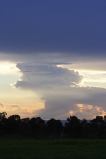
(56, 149)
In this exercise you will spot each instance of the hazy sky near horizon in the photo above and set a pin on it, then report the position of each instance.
(53, 58)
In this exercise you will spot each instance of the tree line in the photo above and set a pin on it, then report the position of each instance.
(36, 127)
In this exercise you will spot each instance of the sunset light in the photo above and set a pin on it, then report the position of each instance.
(8, 68)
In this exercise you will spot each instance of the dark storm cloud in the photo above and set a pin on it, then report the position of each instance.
(53, 26)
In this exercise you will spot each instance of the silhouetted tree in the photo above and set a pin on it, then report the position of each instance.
(3, 116)
(3, 120)
(73, 127)
(97, 126)
(25, 128)
(54, 128)
(13, 124)
(37, 127)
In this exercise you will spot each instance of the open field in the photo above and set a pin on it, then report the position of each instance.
(56, 149)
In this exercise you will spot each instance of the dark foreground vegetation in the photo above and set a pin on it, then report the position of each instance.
(52, 129)
(52, 149)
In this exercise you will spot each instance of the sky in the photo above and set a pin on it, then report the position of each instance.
(53, 58)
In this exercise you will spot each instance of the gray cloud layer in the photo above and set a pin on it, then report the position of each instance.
(53, 26)
(47, 77)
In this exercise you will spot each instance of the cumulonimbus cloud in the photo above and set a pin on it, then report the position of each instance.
(59, 88)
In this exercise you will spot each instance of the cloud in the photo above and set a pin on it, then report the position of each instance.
(87, 111)
(59, 88)
(39, 35)
(50, 82)
(18, 109)
(59, 105)
(46, 77)
(57, 26)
